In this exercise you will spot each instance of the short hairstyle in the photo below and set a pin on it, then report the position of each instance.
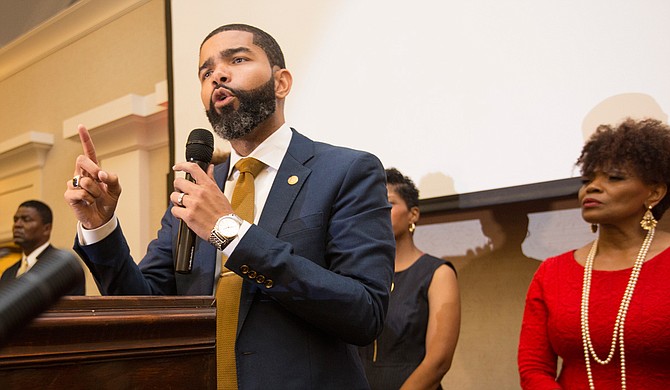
(42, 209)
(640, 145)
(261, 39)
(403, 186)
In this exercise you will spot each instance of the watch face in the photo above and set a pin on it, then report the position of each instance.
(228, 227)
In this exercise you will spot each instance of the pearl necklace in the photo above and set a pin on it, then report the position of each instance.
(621, 315)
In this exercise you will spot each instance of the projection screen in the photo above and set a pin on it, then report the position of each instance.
(462, 96)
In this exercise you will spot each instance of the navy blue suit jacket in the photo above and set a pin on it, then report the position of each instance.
(325, 243)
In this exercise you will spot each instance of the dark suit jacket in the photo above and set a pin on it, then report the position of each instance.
(10, 273)
(327, 245)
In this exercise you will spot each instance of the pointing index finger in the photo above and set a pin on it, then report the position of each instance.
(87, 143)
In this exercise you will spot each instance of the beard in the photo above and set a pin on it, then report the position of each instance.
(255, 106)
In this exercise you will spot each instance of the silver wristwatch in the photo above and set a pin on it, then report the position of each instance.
(225, 230)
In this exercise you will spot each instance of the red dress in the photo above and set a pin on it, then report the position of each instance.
(551, 326)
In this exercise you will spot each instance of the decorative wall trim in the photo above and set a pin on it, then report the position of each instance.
(127, 123)
(68, 26)
(16, 188)
(24, 152)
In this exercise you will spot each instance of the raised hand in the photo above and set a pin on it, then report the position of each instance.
(93, 193)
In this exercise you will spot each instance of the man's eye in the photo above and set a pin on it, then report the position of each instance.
(616, 178)
(205, 74)
(586, 180)
(239, 60)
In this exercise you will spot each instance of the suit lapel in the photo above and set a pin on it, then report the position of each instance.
(46, 250)
(285, 188)
(290, 178)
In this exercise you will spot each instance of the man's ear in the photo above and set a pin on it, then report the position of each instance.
(47, 230)
(283, 83)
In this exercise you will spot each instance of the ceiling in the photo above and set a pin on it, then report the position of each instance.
(18, 17)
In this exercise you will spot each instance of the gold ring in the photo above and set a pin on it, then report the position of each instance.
(75, 181)
(181, 199)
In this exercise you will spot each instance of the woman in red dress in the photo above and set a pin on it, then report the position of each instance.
(604, 309)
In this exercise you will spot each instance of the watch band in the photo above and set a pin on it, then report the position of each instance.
(219, 242)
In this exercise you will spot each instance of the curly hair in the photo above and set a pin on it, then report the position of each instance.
(261, 39)
(403, 186)
(640, 145)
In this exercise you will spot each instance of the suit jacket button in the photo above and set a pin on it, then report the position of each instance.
(252, 274)
(269, 283)
(244, 269)
(260, 279)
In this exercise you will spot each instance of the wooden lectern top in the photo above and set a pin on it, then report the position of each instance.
(115, 343)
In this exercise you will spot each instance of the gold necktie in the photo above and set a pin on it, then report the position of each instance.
(229, 285)
(23, 267)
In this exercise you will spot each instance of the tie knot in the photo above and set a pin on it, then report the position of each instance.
(250, 165)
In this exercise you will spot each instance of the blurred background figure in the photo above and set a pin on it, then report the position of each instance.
(416, 347)
(616, 108)
(578, 302)
(31, 230)
(493, 279)
(506, 228)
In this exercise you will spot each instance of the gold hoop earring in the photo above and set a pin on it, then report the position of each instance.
(648, 221)
(412, 227)
(594, 228)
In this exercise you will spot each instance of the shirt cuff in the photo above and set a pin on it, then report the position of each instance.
(228, 250)
(89, 237)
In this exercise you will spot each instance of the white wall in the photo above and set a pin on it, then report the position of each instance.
(462, 96)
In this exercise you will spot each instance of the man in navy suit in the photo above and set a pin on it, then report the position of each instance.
(317, 261)
(31, 230)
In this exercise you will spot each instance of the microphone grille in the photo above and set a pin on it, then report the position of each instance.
(200, 146)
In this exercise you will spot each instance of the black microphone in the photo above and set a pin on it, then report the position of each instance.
(199, 149)
(55, 274)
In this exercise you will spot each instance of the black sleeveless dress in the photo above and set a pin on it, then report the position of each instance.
(396, 353)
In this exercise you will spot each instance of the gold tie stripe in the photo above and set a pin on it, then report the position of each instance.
(229, 285)
(23, 267)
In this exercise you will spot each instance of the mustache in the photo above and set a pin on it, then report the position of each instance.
(241, 94)
(233, 91)
(229, 89)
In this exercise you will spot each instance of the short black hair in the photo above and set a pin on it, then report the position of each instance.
(42, 209)
(640, 145)
(261, 39)
(403, 186)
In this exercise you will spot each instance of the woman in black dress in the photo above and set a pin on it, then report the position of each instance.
(417, 344)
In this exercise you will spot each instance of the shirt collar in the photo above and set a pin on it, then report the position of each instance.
(270, 152)
(32, 257)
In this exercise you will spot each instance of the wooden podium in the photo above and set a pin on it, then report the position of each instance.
(115, 343)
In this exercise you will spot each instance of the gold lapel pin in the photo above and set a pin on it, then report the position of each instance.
(292, 180)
